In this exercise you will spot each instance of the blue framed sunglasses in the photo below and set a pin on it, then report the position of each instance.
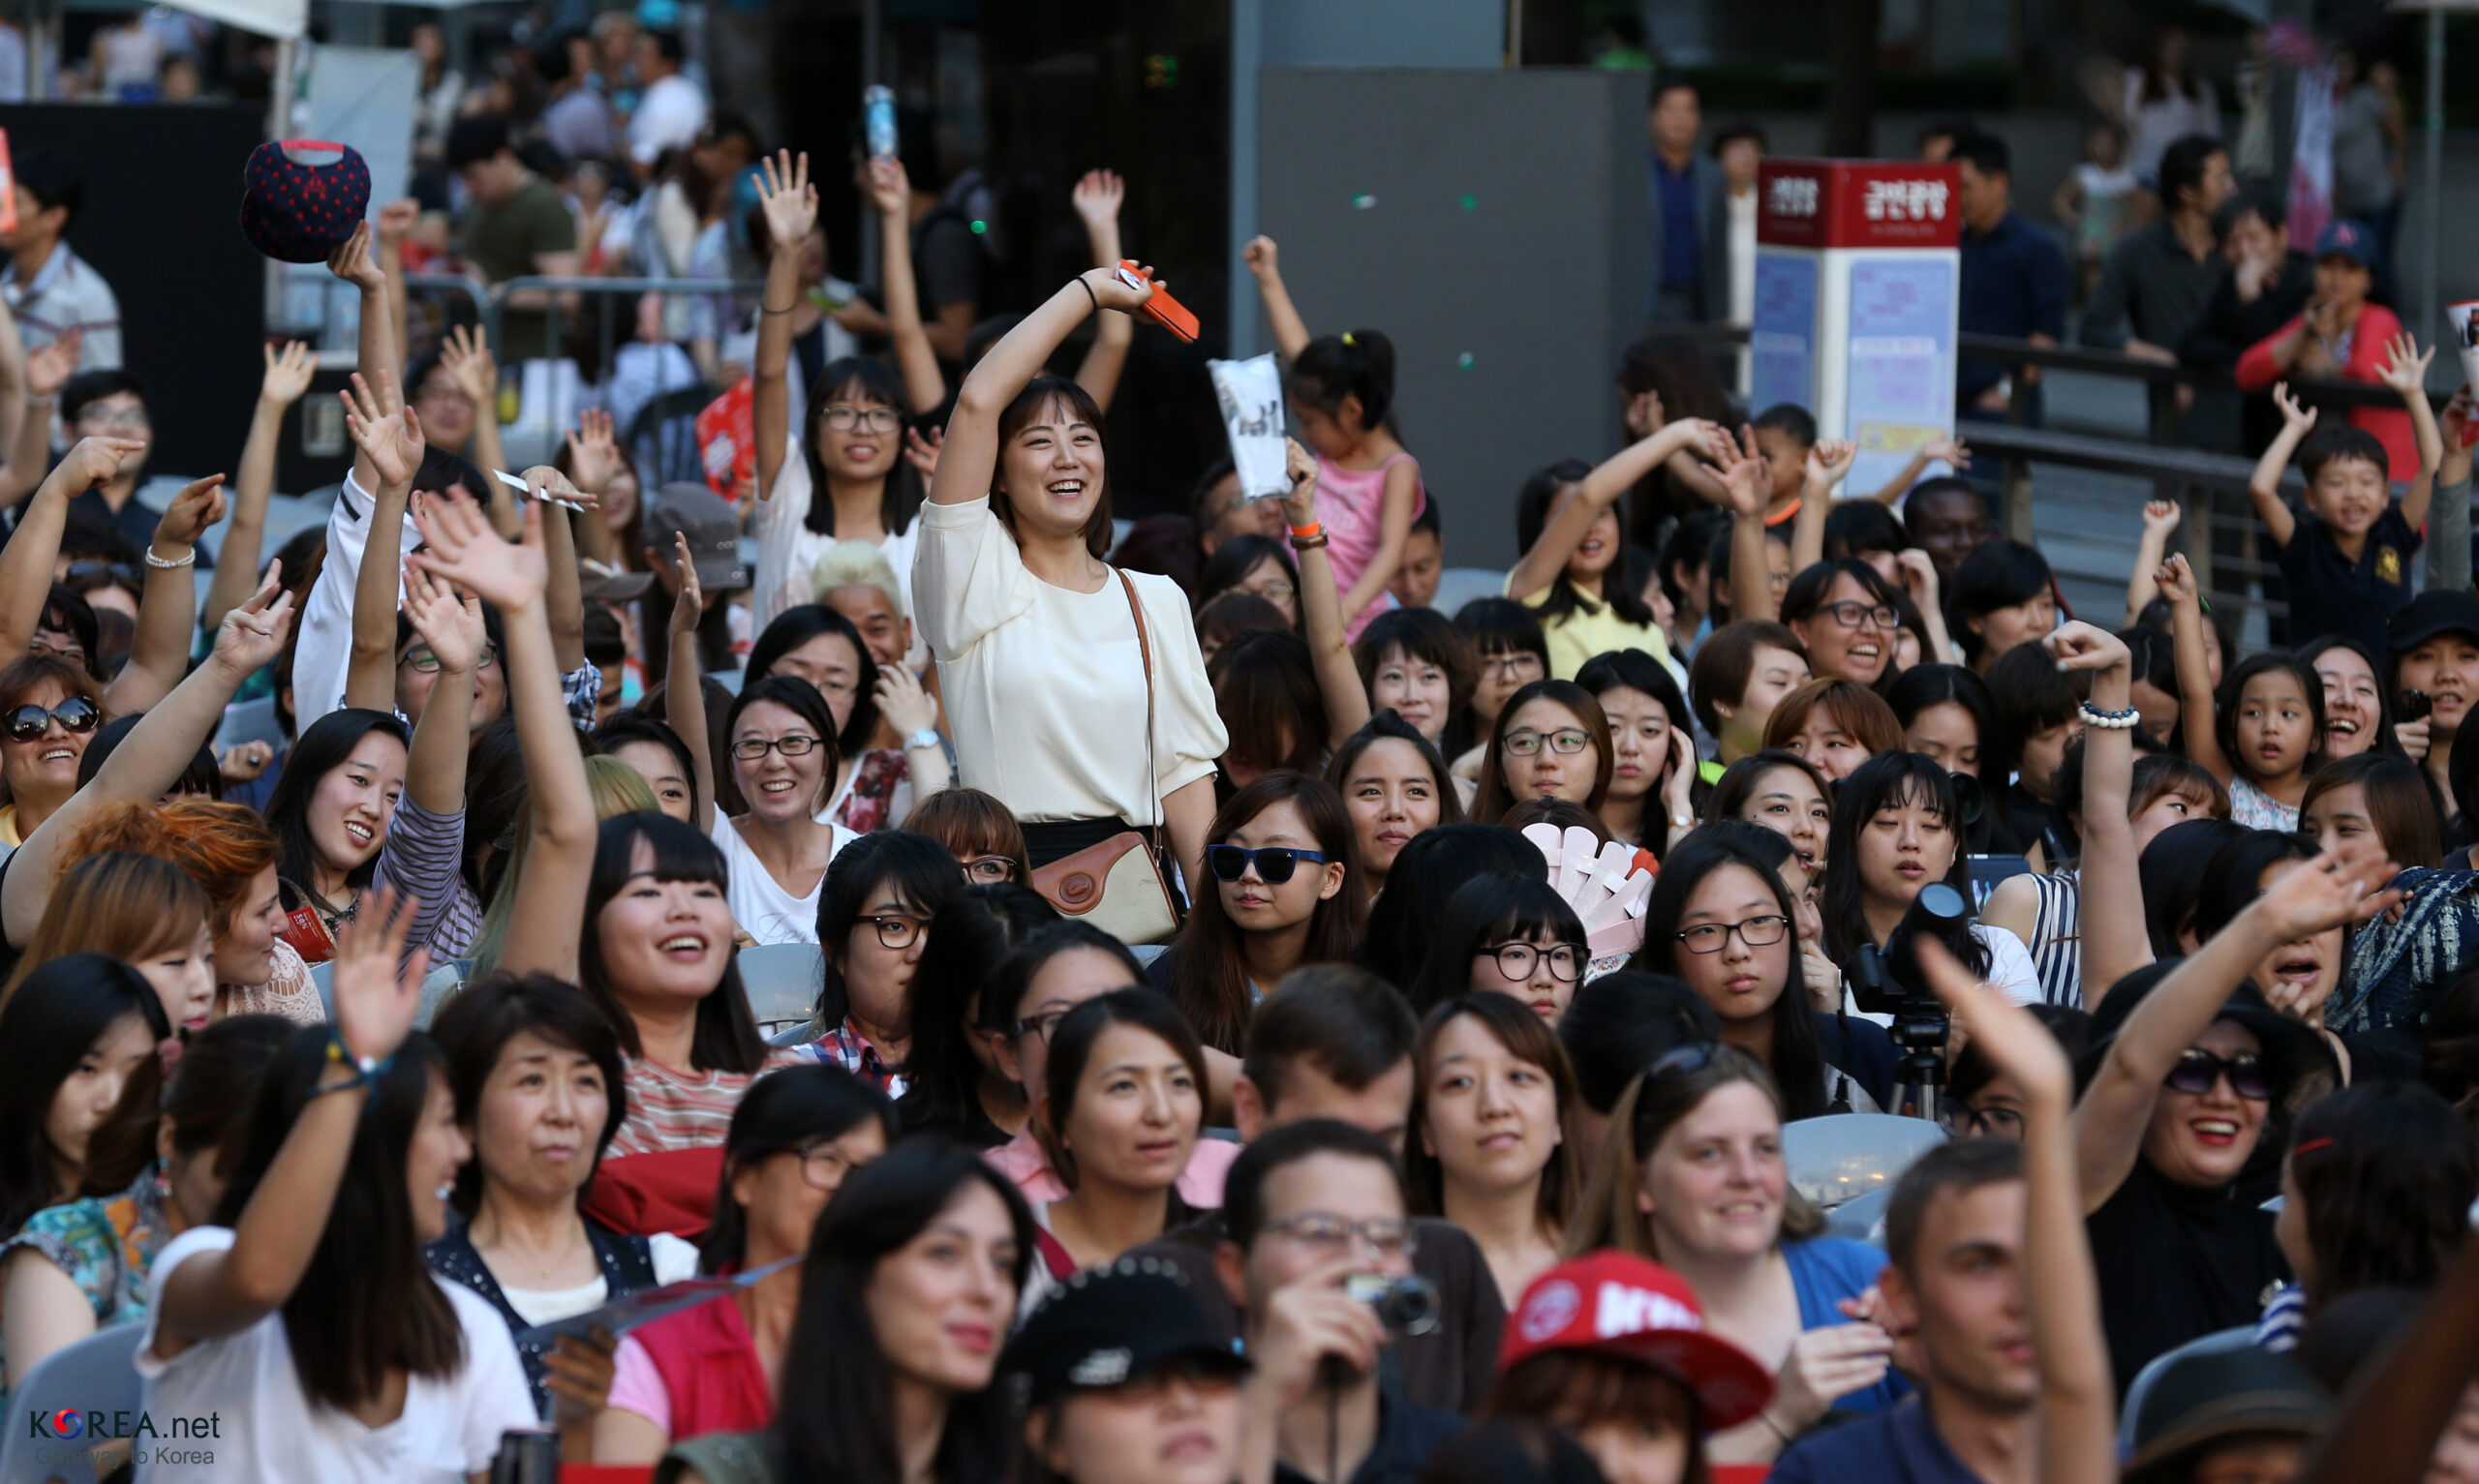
(1275, 864)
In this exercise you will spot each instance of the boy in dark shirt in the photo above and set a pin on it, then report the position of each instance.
(2347, 559)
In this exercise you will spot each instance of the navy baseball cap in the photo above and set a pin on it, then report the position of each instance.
(298, 206)
(2429, 614)
(1111, 1325)
(2346, 238)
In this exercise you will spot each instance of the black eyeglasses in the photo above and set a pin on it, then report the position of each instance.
(1851, 613)
(75, 714)
(1566, 742)
(1516, 960)
(2197, 1071)
(1275, 864)
(893, 930)
(749, 749)
(843, 419)
(989, 870)
(1763, 930)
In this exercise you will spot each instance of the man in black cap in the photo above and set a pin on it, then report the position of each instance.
(2434, 640)
(2236, 1415)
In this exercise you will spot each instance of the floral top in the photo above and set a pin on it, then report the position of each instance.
(2256, 810)
(289, 993)
(105, 1245)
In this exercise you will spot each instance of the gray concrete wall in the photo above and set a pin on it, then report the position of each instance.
(1385, 33)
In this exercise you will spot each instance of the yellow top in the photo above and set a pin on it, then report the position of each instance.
(1580, 636)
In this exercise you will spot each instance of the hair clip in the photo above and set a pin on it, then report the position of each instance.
(1348, 339)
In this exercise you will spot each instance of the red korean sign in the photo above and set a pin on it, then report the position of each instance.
(1858, 203)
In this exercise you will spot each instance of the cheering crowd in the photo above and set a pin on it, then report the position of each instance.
(1255, 1026)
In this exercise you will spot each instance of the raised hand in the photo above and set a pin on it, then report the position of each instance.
(1098, 197)
(1110, 292)
(396, 219)
(787, 198)
(253, 634)
(1949, 447)
(384, 427)
(2162, 516)
(467, 357)
(199, 506)
(287, 375)
(594, 453)
(2322, 893)
(2293, 416)
(378, 985)
(50, 366)
(1301, 504)
(451, 626)
(92, 461)
(2006, 1033)
(544, 482)
(887, 187)
(1744, 474)
(1260, 258)
(2080, 646)
(354, 263)
(921, 450)
(2405, 365)
(1829, 460)
(1918, 577)
(905, 706)
(2176, 581)
(464, 549)
(690, 605)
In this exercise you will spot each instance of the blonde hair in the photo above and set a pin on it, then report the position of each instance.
(856, 565)
(617, 788)
(1607, 1215)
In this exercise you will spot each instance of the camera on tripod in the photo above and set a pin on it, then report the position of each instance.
(1888, 981)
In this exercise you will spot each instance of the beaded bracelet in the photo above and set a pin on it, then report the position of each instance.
(2110, 721)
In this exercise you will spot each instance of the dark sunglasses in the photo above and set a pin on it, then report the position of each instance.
(2197, 1071)
(75, 714)
(1275, 864)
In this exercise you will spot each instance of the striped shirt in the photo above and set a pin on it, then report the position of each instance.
(422, 859)
(2057, 939)
(670, 1110)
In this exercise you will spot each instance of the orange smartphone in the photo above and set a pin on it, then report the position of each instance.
(1162, 309)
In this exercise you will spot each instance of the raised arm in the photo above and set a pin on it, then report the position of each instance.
(389, 435)
(30, 451)
(550, 904)
(1097, 198)
(451, 626)
(1920, 584)
(377, 990)
(2197, 710)
(25, 562)
(2264, 486)
(159, 655)
(1743, 479)
(236, 570)
(152, 756)
(684, 682)
(1827, 463)
(564, 600)
(1945, 445)
(2114, 942)
(789, 204)
(969, 456)
(1290, 332)
(1401, 501)
(1321, 607)
(2160, 517)
(1546, 562)
(2406, 371)
(2060, 1286)
(377, 351)
(925, 385)
(594, 462)
(466, 356)
(2110, 1121)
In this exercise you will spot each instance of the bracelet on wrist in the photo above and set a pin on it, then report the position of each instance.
(1089, 294)
(1304, 532)
(1308, 543)
(2108, 720)
(190, 559)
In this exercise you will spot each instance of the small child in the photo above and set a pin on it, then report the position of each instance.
(2262, 732)
(2347, 559)
(1423, 562)
(1368, 488)
(2099, 201)
(1784, 434)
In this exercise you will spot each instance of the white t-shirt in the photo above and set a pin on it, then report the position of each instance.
(673, 1258)
(763, 909)
(1045, 687)
(269, 1429)
(787, 548)
(323, 656)
(668, 116)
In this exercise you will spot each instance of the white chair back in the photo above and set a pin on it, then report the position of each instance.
(94, 1377)
(782, 982)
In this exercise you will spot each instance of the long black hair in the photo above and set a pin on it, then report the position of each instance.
(1621, 1024)
(785, 1111)
(319, 752)
(969, 938)
(1997, 574)
(899, 500)
(796, 626)
(1489, 909)
(1427, 871)
(48, 1024)
(836, 1418)
(367, 1303)
(1889, 780)
(725, 1037)
(917, 866)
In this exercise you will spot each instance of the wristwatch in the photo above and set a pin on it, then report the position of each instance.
(926, 737)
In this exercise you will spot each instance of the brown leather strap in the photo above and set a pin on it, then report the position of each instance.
(1145, 649)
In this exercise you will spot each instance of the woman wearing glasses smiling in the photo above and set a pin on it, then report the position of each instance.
(1551, 742)
(784, 759)
(1846, 613)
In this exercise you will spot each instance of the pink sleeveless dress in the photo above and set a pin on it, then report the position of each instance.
(1351, 504)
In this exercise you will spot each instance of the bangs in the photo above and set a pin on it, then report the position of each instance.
(857, 378)
(1535, 916)
(679, 853)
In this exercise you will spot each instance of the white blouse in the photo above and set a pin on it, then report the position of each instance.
(787, 548)
(1045, 687)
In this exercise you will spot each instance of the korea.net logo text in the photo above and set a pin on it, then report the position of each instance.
(164, 1440)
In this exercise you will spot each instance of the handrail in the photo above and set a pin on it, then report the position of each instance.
(586, 284)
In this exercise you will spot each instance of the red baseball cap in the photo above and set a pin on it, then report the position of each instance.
(1618, 1304)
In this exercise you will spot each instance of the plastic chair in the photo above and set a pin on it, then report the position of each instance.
(248, 721)
(443, 979)
(782, 980)
(95, 1375)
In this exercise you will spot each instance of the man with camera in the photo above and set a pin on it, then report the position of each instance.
(1318, 1262)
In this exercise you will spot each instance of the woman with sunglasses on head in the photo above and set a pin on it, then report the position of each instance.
(873, 915)
(49, 710)
(1510, 935)
(1075, 691)
(1654, 781)
(1691, 1175)
(978, 832)
(1491, 1093)
(1396, 786)
(1551, 741)
(954, 1084)
(1282, 860)
(795, 1137)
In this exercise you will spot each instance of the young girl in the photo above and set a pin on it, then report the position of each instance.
(1394, 785)
(1282, 861)
(874, 909)
(1654, 783)
(1551, 741)
(1567, 524)
(1417, 663)
(1368, 489)
(1836, 724)
(795, 1138)
(1509, 651)
(1785, 793)
(1508, 935)
(2263, 733)
(1490, 1093)
(1121, 1107)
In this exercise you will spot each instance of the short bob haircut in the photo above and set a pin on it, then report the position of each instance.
(726, 1038)
(1853, 707)
(1925, 688)
(1071, 1045)
(1726, 660)
(120, 902)
(2172, 874)
(1209, 975)
(802, 699)
(1037, 399)
(1264, 687)
(971, 824)
(473, 1028)
(2402, 803)
(1484, 910)
(1641, 1117)
(916, 867)
(784, 1112)
(1418, 634)
(794, 627)
(326, 746)
(2001, 573)
(1495, 795)
(2233, 684)
(1889, 780)
(2032, 696)
(1429, 870)
(2387, 1172)
(1524, 1036)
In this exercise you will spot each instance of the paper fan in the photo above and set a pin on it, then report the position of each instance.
(1604, 886)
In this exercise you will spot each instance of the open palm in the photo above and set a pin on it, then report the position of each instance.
(464, 549)
(384, 428)
(787, 197)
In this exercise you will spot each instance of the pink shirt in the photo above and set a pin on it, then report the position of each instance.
(1351, 504)
(1022, 1160)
